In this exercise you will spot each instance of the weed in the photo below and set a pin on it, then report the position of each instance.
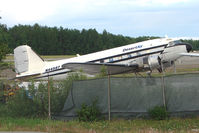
(158, 113)
(89, 113)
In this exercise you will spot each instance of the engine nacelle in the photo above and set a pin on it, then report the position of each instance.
(154, 61)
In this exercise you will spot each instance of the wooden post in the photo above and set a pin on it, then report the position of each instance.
(174, 65)
(109, 99)
(163, 91)
(163, 86)
(49, 113)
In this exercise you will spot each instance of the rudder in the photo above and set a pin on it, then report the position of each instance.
(27, 61)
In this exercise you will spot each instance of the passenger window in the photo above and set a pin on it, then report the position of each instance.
(111, 60)
(101, 61)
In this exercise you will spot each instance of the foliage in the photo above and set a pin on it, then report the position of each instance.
(58, 94)
(5, 38)
(158, 113)
(20, 105)
(17, 105)
(3, 51)
(194, 43)
(103, 72)
(39, 97)
(33, 102)
(62, 41)
(6, 65)
(89, 112)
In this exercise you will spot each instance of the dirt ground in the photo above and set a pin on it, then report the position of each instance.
(7, 74)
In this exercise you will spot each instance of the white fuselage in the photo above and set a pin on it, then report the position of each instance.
(129, 54)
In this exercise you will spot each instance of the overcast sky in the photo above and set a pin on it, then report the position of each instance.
(175, 18)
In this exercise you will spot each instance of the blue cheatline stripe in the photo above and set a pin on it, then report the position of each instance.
(164, 45)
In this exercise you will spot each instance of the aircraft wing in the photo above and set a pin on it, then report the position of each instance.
(94, 68)
(190, 54)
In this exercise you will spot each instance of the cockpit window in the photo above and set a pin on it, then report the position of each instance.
(174, 42)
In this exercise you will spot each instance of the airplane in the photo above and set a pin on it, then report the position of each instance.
(138, 57)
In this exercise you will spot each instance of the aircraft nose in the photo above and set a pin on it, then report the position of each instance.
(189, 47)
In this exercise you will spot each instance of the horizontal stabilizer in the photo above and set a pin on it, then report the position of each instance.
(95, 68)
(24, 76)
(190, 54)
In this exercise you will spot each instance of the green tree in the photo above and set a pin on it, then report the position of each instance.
(61, 41)
(3, 51)
(4, 40)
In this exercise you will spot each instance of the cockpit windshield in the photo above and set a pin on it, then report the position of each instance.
(174, 42)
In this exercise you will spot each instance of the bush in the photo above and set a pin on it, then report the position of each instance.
(103, 72)
(20, 105)
(158, 113)
(33, 102)
(89, 113)
(58, 94)
(3, 51)
(16, 105)
(3, 110)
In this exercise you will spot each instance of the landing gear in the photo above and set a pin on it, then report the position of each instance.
(149, 74)
(137, 73)
(159, 70)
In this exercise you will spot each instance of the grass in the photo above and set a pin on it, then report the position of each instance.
(9, 57)
(5, 65)
(127, 126)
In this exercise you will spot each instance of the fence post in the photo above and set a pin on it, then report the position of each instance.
(174, 65)
(109, 99)
(163, 86)
(49, 113)
(163, 91)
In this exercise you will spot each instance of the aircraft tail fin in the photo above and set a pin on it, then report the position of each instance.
(27, 62)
